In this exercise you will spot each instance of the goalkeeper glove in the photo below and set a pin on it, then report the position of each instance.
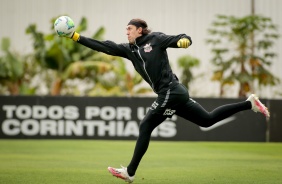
(184, 42)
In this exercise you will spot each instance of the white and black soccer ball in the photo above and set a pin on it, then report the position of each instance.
(64, 26)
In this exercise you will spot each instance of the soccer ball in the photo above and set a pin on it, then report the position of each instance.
(64, 26)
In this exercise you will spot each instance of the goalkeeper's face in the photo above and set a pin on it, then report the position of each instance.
(132, 33)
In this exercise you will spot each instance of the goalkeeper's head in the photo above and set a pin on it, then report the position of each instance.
(136, 28)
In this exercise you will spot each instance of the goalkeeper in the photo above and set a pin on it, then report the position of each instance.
(147, 52)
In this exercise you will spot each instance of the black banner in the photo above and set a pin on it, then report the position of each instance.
(275, 125)
(115, 118)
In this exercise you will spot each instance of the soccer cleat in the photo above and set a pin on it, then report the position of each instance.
(257, 106)
(121, 173)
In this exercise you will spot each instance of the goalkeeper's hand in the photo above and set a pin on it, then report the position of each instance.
(74, 36)
(184, 42)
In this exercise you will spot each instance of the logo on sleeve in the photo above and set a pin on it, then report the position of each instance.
(154, 106)
(147, 47)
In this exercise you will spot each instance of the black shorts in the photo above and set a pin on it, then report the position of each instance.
(167, 103)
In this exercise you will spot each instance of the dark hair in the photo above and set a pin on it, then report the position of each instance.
(140, 23)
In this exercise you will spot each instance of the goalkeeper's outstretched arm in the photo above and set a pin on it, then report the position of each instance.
(107, 47)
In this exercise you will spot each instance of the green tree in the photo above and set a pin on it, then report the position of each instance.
(67, 59)
(186, 63)
(16, 72)
(242, 51)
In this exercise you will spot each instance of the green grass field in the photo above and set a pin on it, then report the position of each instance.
(86, 162)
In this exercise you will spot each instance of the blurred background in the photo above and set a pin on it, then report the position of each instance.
(236, 47)
(56, 94)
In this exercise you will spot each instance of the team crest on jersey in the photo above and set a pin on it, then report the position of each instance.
(147, 47)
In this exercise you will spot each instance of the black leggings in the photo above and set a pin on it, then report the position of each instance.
(191, 111)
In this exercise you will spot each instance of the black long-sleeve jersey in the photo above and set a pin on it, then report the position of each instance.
(148, 55)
